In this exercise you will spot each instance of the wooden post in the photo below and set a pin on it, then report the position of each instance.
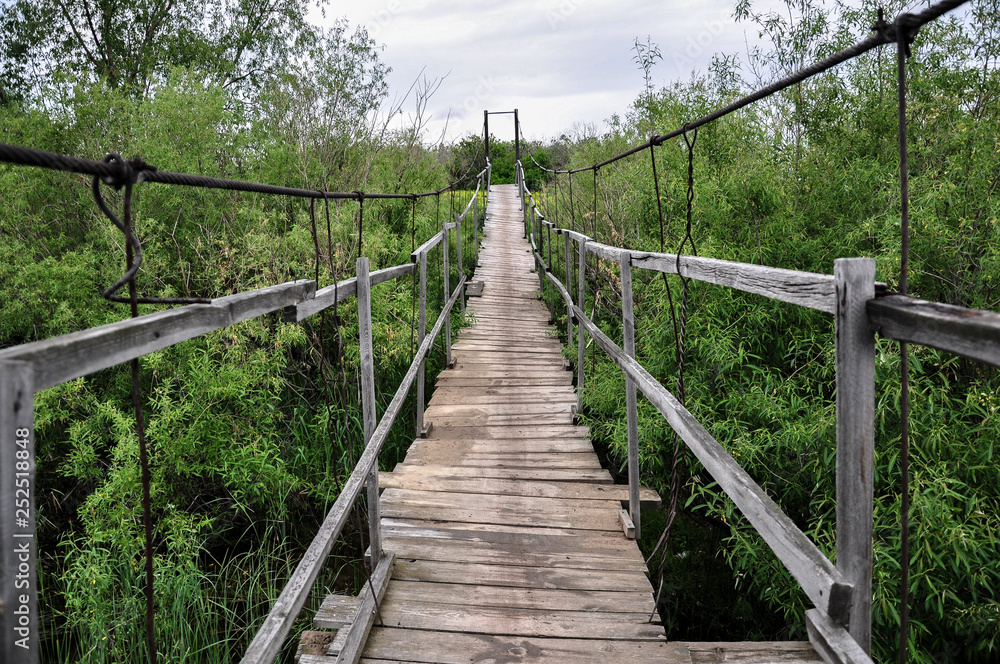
(421, 333)
(517, 141)
(523, 199)
(628, 335)
(446, 280)
(368, 401)
(548, 243)
(581, 332)
(855, 285)
(475, 226)
(539, 249)
(458, 240)
(569, 287)
(19, 626)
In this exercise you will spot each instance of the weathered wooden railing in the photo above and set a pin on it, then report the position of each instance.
(29, 368)
(840, 625)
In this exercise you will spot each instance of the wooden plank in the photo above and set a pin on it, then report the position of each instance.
(972, 333)
(494, 381)
(486, 396)
(822, 582)
(508, 420)
(581, 518)
(572, 491)
(535, 555)
(519, 576)
(805, 289)
(833, 643)
(327, 297)
(574, 461)
(315, 644)
(628, 527)
(503, 354)
(502, 408)
(422, 250)
(496, 532)
(601, 476)
(550, 431)
(426, 646)
(520, 622)
(855, 378)
(337, 611)
(70, 356)
(607, 252)
(371, 604)
(324, 298)
(760, 652)
(559, 509)
(19, 587)
(547, 599)
(269, 638)
(508, 446)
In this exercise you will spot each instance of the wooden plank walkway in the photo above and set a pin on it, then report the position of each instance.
(505, 528)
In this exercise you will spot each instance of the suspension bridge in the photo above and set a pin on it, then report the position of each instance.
(500, 538)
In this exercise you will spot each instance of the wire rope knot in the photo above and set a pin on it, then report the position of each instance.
(127, 172)
(906, 28)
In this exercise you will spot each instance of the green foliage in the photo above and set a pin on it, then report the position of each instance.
(253, 429)
(795, 182)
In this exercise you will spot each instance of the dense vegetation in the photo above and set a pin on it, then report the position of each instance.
(246, 452)
(251, 433)
(794, 182)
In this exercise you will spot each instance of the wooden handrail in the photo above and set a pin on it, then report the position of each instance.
(819, 578)
(267, 642)
(70, 356)
(973, 333)
(326, 297)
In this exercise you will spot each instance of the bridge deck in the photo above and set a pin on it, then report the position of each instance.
(504, 525)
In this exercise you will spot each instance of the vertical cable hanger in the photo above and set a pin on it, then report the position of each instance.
(413, 247)
(904, 37)
(572, 215)
(323, 362)
(132, 263)
(679, 461)
(594, 230)
(361, 220)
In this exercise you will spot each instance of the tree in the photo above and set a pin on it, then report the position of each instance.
(131, 45)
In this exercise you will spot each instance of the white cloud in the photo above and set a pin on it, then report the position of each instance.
(558, 61)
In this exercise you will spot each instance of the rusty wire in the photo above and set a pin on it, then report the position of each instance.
(904, 39)
(133, 258)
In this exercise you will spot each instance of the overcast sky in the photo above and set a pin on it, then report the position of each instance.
(559, 62)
